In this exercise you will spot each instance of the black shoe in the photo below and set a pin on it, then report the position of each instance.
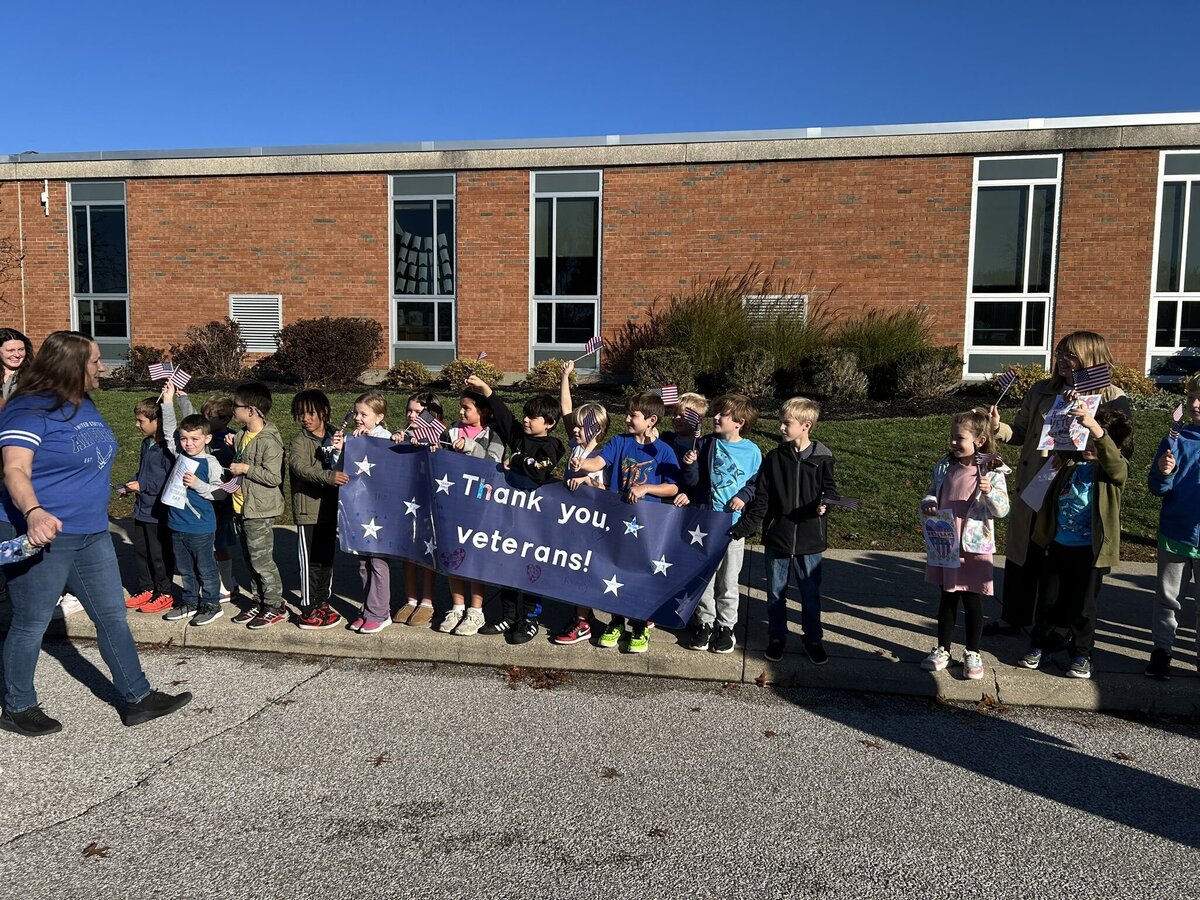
(775, 650)
(523, 631)
(700, 637)
(30, 722)
(992, 629)
(502, 627)
(723, 640)
(153, 705)
(1160, 665)
(816, 653)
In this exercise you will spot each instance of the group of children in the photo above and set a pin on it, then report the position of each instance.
(234, 492)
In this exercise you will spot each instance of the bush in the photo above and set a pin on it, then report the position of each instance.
(881, 339)
(135, 370)
(1027, 377)
(932, 372)
(405, 375)
(661, 366)
(329, 351)
(1133, 382)
(835, 375)
(546, 376)
(215, 350)
(456, 372)
(752, 373)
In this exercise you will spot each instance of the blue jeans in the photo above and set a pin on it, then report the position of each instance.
(195, 561)
(85, 565)
(807, 572)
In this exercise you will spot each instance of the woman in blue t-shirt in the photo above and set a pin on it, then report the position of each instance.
(58, 454)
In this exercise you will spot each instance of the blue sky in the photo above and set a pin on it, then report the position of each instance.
(139, 75)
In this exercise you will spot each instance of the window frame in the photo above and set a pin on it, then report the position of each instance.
(435, 348)
(107, 344)
(1018, 353)
(537, 349)
(1181, 296)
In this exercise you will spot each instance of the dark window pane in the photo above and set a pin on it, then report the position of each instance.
(110, 318)
(997, 325)
(1164, 328)
(577, 247)
(413, 246)
(1017, 169)
(108, 250)
(1191, 256)
(445, 328)
(543, 272)
(562, 182)
(1000, 240)
(1182, 164)
(422, 185)
(83, 309)
(1170, 237)
(82, 283)
(545, 323)
(445, 247)
(414, 322)
(1041, 251)
(576, 323)
(1035, 324)
(1189, 327)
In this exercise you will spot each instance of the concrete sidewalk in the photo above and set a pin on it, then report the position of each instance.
(879, 619)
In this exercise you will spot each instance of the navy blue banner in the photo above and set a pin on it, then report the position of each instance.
(470, 518)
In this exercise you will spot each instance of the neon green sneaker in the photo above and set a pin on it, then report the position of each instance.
(639, 641)
(610, 636)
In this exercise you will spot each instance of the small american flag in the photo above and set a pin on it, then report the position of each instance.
(482, 354)
(160, 371)
(591, 428)
(983, 459)
(693, 418)
(1004, 381)
(669, 393)
(427, 429)
(1093, 379)
(232, 486)
(844, 502)
(593, 345)
(179, 378)
(1176, 424)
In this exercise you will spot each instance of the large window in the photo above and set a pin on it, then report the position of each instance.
(1175, 280)
(99, 264)
(423, 267)
(565, 262)
(1014, 235)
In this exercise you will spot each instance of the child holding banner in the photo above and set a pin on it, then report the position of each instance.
(417, 611)
(1079, 526)
(370, 410)
(151, 536)
(1175, 477)
(967, 491)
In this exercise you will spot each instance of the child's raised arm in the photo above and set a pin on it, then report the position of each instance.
(564, 390)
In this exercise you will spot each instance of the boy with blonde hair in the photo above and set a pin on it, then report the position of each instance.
(789, 494)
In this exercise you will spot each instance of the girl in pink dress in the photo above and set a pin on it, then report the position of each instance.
(968, 483)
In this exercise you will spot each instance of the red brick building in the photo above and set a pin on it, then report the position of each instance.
(1011, 234)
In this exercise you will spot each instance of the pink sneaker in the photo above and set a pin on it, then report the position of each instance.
(373, 627)
(357, 624)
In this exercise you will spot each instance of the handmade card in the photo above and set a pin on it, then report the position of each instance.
(941, 539)
(1063, 431)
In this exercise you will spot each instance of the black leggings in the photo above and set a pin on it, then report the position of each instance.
(973, 615)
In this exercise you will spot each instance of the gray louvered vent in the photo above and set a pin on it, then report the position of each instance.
(261, 318)
(767, 307)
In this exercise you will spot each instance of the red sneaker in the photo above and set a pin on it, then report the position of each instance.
(267, 617)
(316, 617)
(161, 603)
(139, 600)
(574, 632)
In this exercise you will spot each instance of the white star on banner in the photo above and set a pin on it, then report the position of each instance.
(364, 467)
(611, 586)
(429, 547)
(411, 507)
(632, 526)
(661, 565)
(371, 530)
(444, 484)
(698, 536)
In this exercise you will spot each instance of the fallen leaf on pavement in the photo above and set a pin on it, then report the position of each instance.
(610, 772)
(657, 832)
(283, 701)
(1124, 757)
(987, 701)
(94, 849)
(870, 745)
(202, 709)
(695, 709)
(770, 733)
(380, 760)
(179, 681)
(761, 680)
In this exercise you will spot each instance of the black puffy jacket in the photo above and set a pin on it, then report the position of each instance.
(787, 493)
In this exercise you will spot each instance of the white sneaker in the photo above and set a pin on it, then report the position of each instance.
(472, 621)
(68, 605)
(450, 620)
(973, 665)
(938, 659)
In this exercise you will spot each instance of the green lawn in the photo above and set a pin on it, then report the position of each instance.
(884, 462)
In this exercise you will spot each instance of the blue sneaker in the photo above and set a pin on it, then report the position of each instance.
(1032, 659)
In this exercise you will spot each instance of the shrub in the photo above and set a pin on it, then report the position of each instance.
(547, 376)
(405, 375)
(329, 351)
(456, 372)
(932, 372)
(661, 366)
(880, 339)
(835, 375)
(215, 350)
(135, 370)
(1027, 377)
(1133, 382)
(752, 373)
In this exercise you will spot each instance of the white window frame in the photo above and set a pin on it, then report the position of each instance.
(1043, 351)
(397, 347)
(1181, 296)
(106, 343)
(555, 348)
